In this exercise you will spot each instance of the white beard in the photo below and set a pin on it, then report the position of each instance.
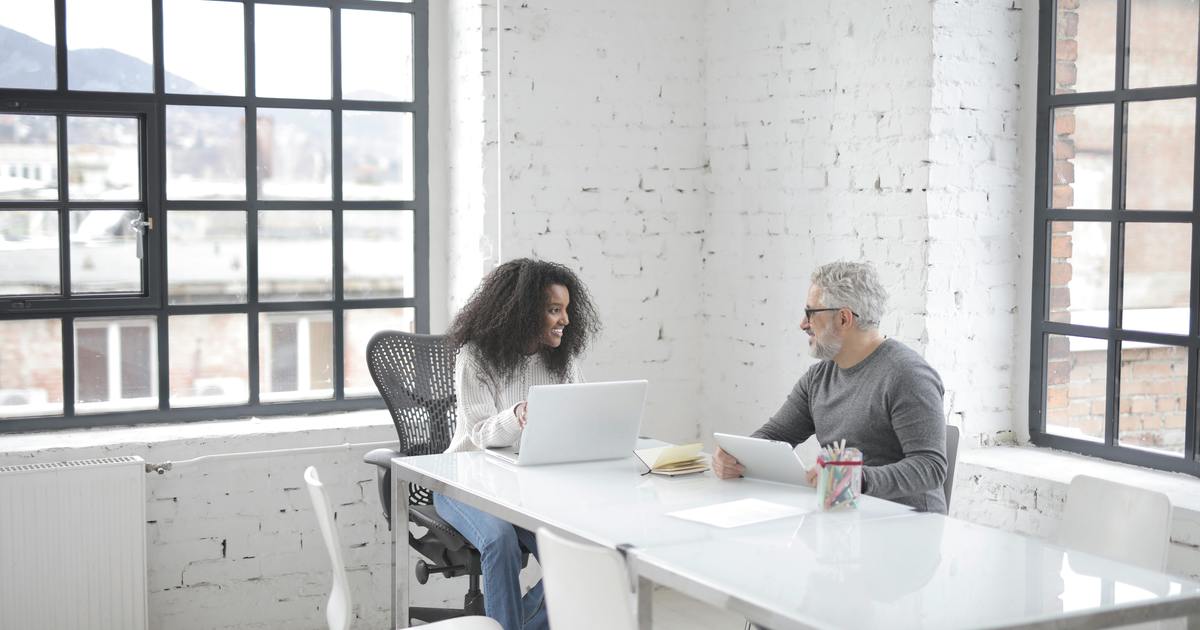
(825, 350)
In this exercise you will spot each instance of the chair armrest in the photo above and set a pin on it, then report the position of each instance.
(382, 459)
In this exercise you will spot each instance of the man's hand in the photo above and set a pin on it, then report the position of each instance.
(522, 410)
(726, 466)
(810, 475)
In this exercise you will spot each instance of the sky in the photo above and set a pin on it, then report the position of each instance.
(203, 42)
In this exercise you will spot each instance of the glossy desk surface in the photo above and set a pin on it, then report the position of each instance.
(880, 565)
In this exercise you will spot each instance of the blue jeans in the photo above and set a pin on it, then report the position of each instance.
(499, 544)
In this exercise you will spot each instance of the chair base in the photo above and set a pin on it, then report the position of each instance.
(432, 615)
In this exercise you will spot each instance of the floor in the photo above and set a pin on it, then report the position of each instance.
(674, 611)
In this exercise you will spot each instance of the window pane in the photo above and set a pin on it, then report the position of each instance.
(193, 64)
(294, 154)
(377, 153)
(27, 50)
(1083, 157)
(209, 360)
(1079, 272)
(109, 46)
(135, 345)
(102, 158)
(1157, 277)
(1076, 379)
(1085, 46)
(377, 253)
(1159, 154)
(295, 352)
(1162, 42)
(206, 256)
(292, 52)
(115, 364)
(29, 167)
(206, 152)
(104, 252)
(91, 364)
(1153, 399)
(295, 255)
(377, 55)
(361, 325)
(29, 252)
(31, 368)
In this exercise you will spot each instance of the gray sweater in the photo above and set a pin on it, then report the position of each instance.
(889, 406)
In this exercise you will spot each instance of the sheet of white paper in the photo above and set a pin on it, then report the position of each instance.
(738, 513)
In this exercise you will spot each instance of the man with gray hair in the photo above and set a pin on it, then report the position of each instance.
(874, 392)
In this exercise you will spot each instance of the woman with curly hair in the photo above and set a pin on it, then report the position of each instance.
(525, 325)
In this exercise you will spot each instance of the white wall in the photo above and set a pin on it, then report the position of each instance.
(234, 543)
(818, 125)
(602, 168)
(695, 166)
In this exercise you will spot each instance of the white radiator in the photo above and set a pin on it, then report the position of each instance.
(73, 545)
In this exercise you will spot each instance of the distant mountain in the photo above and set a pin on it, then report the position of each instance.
(25, 62)
(28, 63)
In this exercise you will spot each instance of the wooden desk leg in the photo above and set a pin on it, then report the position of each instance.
(399, 551)
(645, 597)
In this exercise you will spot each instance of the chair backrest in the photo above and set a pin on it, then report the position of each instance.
(1117, 521)
(951, 459)
(338, 609)
(415, 375)
(587, 586)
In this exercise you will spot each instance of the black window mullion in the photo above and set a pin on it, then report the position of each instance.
(68, 365)
(60, 47)
(252, 363)
(1116, 232)
(339, 320)
(154, 261)
(421, 164)
(64, 217)
(1041, 238)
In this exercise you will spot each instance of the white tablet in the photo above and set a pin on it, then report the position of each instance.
(764, 459)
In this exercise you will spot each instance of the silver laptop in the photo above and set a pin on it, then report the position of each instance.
(579, 422)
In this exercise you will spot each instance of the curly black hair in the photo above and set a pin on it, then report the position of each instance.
(503, 318)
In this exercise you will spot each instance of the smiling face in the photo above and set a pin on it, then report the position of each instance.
(554, 315)
(824, 338)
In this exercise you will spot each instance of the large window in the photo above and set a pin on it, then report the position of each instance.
(1116, 300)
(207, 207)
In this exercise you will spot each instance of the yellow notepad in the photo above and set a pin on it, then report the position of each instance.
(674, 459)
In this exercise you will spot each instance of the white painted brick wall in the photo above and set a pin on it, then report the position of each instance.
(818, 132)
(234, 543)
(602, 169)
(976, 211)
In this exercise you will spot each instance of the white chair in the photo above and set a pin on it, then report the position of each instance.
(587, 586)
(1116, 521)
(339, 610)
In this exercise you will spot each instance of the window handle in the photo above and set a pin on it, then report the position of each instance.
(141, 226)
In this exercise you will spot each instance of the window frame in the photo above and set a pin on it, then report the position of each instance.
(150, 108)
(1116, 217)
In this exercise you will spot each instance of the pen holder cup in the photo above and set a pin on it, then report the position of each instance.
(839, 480)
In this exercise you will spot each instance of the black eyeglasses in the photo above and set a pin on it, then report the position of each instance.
(808, 312)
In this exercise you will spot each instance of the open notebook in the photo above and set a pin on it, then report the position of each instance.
(673, 459)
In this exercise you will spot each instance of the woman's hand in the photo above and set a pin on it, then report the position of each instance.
(522, 410)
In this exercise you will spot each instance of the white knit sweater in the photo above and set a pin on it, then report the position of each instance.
(486, 408)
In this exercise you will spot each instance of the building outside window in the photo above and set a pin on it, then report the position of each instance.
(207, 207)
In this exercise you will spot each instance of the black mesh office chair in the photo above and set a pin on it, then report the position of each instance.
(415, 376)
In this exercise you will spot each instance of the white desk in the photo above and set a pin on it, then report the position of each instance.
(886, 564)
